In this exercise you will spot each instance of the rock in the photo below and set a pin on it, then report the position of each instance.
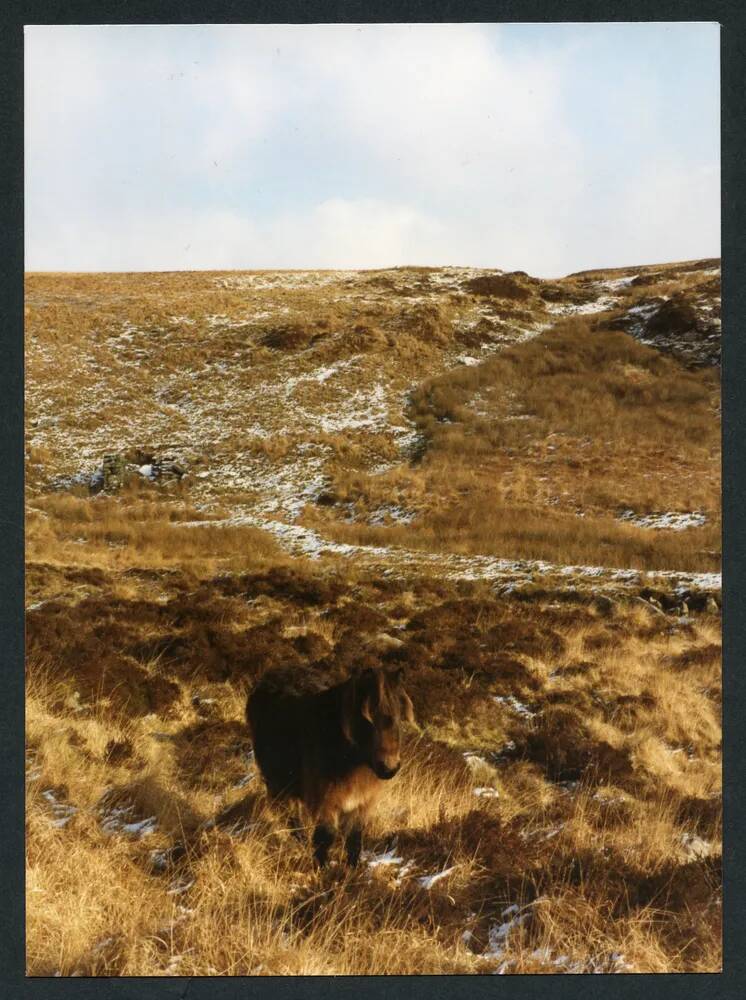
(675, 317)
(120, 467)
(168, 467)
(114, 471)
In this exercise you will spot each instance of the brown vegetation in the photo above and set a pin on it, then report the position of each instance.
(578, 781)
(558, 808)
(577, 422)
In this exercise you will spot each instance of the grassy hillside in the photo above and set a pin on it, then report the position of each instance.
(510, 487)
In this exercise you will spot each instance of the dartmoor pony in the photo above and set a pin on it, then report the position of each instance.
(331, 749)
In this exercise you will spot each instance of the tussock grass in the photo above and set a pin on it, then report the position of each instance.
(571, 423)
(603, 832)
(107, 532)
(564, 774)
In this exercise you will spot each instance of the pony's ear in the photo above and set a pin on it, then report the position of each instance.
(407, 707)
(372, 693)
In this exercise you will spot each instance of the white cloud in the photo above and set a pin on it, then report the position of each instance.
(447, 108)
(338, 145)
(672, 213)
(370, 232)
(328, 235)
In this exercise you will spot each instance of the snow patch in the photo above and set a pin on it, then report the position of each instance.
(428, 881)
(391, 512)
(614, 284)
(386, 858)
(666, 521)
(62, 812)
(696, 847)
(487, 792)
(285, 279)
(517, 706)
(581, 309)
(499, 934)
(120, 820)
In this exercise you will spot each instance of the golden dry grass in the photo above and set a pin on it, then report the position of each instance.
(565, 769)
(258, 378)
(534, 452)
(603, 826)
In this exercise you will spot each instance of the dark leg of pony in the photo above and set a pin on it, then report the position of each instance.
(354, 845)
(323, 838)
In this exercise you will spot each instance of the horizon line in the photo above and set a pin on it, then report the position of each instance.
(390, 267)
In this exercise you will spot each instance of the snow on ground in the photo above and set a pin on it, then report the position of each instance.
(517, 706)
(582, 309)
(385, 858)
(452, 278)
(237, 422)
(614, 284)
(364, 409)
(695, 847)
(614, 962)
(501, 936)
(428, 881)
(120, 819)
(641, 314)
(62, 812)
(231, 322)
(323, 373)
(541, 834)
(33, 771)
(667, 520)
(513, 917)
(304, 541)
(284, 280)
(391, 512)
(388, 861)
(280, 489)
(180, 886)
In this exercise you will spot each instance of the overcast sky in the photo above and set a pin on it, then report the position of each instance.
(546, 148)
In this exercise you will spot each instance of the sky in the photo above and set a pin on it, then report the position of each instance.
(548, 148)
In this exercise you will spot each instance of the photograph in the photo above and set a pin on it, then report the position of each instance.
(372, 458)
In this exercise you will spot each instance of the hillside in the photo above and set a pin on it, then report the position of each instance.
(510, 486)
(320, 406)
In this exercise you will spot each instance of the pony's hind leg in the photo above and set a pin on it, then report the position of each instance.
(323, 837)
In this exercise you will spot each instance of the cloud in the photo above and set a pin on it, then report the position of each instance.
(672, 213)
(328, 235)
(351, 146)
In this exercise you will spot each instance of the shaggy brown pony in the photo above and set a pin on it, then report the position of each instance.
(330, 750)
